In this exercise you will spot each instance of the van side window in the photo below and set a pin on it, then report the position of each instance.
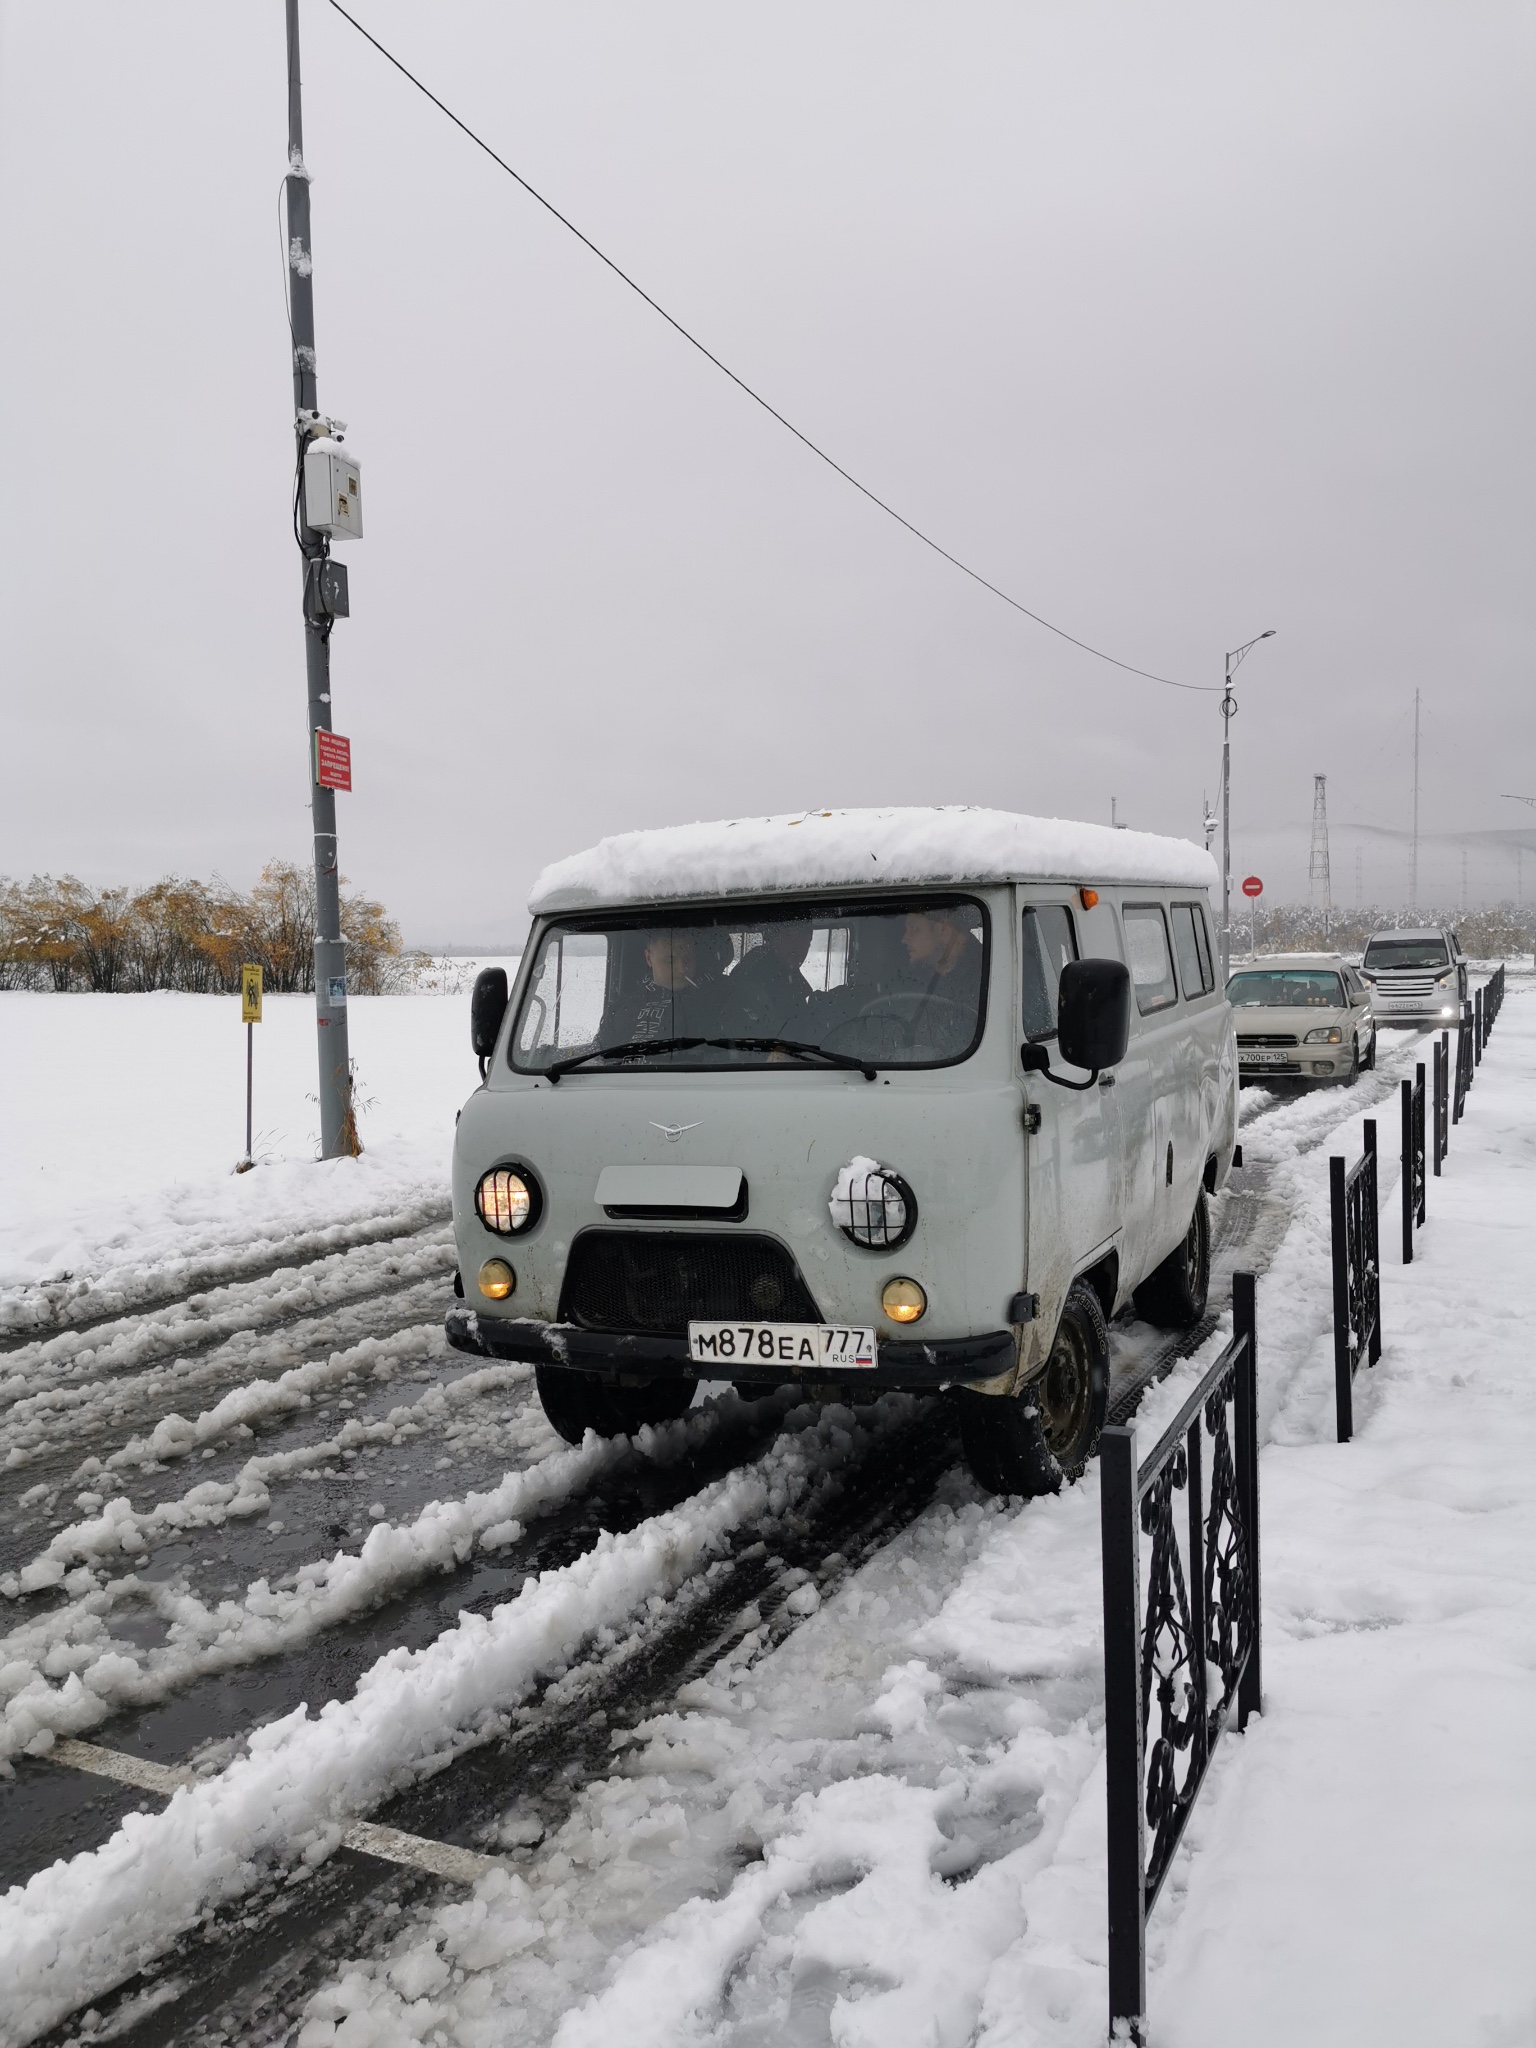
(1189, 943)
(1049, 943)
(1146, 945)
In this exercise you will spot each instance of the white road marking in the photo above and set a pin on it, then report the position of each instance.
(391, 1845)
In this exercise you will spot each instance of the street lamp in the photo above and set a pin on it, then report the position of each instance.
(1510, 798)
(1228, 712)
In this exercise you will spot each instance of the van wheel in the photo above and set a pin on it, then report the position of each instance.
(1049, 1430)
(578, 1401)
(1173, 1295)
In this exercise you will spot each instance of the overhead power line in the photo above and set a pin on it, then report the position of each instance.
(742, 385)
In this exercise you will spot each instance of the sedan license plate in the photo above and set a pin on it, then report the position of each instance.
(799, 1345)
(1262, 1059)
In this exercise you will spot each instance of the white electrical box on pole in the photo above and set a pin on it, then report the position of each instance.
(327, 500)
(333, 488)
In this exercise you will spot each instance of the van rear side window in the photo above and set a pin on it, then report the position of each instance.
(1146, 946)
(1049, 943)
(1193, 949)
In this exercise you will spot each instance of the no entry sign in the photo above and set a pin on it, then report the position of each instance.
(333, 762)
(1252, 886)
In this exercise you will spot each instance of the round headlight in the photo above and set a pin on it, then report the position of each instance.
(873, 1206)
(506, 1201)
(903, 1300)
(496, 1280)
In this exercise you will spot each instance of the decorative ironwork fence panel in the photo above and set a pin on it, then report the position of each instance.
(1463, 1064)
(1415, 1183)
(1493, 999)
(1442, 1055)
(1356, 1275)
(1191, 1659)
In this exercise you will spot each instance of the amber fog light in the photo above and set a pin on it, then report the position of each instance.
(497, 1280)
(903, 1300)
(506, 1201)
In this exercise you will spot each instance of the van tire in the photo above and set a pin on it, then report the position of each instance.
(578, 1401)
(1173, 1296)
(1030, 1442)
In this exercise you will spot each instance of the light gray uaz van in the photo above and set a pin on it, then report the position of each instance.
(858, 1099)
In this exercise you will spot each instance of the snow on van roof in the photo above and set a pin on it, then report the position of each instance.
(839, 849)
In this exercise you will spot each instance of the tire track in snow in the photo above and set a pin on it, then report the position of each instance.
(50, 1437)
(678, 1569)
(35, 1314)
(42, 1377)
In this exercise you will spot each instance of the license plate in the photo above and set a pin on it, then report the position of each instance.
(1262, 1059)
(798, 1345)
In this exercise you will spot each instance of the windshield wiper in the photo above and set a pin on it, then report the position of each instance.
(800, 1049)
(637, 1047)
(626, 1051)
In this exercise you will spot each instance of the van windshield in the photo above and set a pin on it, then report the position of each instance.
(1388, 953)
(1286, 988)
(898, 983)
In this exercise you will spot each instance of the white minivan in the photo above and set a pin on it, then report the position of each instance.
(859, 1099)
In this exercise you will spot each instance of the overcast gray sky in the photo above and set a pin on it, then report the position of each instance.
(1179, 321)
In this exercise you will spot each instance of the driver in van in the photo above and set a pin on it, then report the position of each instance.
(948, 962)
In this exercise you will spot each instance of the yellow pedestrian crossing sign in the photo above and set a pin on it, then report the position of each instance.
(250, 995)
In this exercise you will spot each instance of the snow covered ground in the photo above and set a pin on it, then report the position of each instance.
(876, 1814)
(123, 1117)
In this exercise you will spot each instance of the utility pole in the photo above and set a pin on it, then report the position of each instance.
(1228, 713)
(324, 601)
(1413, 859)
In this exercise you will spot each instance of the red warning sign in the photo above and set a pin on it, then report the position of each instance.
(333, 761)
(1252, 886)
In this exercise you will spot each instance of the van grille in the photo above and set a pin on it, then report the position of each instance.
(1266, 1038)
(653, 1282)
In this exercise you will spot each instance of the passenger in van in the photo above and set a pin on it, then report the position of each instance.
(678, 999)
(766, 992)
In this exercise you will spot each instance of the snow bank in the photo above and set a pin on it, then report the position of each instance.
(833, 849)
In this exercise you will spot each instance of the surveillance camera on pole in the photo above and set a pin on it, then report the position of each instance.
(328, 505)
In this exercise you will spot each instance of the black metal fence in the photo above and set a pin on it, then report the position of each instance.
(1356, 1275)
(1479, 1036)
(1463, 1064)
(1442, 1060)
(1201, 1622)
(1415, 1181)
(1493, 999)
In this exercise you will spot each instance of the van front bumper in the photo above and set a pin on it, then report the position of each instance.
(941, 1362)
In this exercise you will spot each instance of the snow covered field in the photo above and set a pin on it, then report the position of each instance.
(869, 1808)
(123, 1116)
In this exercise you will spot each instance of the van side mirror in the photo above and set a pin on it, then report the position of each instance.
(487, 1007)
(1093, 1013)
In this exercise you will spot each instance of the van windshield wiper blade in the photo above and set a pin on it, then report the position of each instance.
(799, 1049)
(626, 1051)
(636, 1047)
